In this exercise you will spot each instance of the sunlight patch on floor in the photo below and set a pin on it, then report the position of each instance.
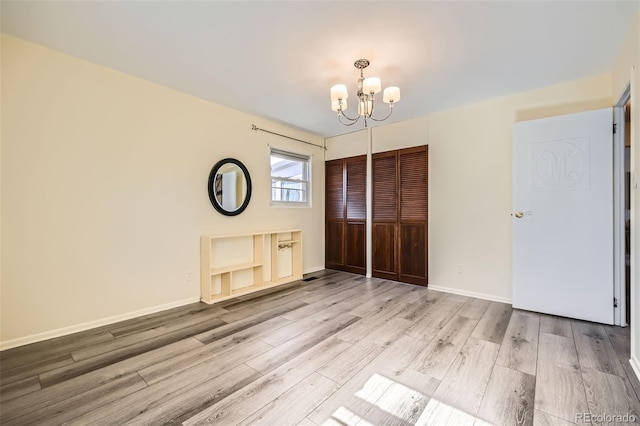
(391, 402)
(439, 413)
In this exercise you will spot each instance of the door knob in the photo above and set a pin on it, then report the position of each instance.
(519, 214)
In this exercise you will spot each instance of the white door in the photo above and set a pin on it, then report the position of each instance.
(563, 215)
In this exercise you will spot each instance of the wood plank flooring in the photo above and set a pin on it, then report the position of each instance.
(338, 350)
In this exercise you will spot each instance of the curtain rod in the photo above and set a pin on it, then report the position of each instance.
(256, 128)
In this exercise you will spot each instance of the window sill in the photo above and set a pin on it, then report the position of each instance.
(284, 205)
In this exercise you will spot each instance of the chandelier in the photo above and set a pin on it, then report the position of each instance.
(367, 89)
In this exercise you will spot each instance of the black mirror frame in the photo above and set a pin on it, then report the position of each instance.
(211, 189)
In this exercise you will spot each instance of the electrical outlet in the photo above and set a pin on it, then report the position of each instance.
(460, 268)
(189, 276)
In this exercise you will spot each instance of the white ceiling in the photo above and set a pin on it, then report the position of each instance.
(278, 59)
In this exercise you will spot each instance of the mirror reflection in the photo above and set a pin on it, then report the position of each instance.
(229, 187)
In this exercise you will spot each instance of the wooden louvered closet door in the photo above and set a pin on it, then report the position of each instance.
(400, 209)
(355, 220)
(413, 206)
(345, 218)
(385, 215)
(334, 214)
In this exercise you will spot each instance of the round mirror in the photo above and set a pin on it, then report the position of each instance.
(229, 187)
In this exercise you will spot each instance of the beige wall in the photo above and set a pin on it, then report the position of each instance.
(104, 191)
(403, 134)
(470, 178)
(627, 71)
(104, 186)
(348, 145)
(626, 59)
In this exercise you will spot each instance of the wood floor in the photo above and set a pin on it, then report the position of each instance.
(340, 349)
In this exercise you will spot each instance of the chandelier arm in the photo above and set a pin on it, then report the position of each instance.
(382, 119)
(347, 117)
(353, 121)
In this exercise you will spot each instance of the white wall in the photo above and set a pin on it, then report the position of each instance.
(403, 134)
(348, 145)
(104, 186)
(104, 191)
(385, 137)
(627, 71)
(470, 178)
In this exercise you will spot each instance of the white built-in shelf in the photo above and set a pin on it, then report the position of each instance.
(234, 265)
(231, 268)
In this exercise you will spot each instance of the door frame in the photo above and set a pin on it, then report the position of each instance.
(619, 272)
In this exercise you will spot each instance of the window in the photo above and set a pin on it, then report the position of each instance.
(290, 178)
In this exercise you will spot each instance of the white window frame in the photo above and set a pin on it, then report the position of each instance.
(293, 157)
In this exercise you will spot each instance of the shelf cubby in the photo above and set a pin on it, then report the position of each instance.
(234, 265)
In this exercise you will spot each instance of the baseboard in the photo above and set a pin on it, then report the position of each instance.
(635, 365)
(312, 270)
(21, 341)
(470, 294)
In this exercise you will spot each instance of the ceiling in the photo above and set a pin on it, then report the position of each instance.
(278, 59)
